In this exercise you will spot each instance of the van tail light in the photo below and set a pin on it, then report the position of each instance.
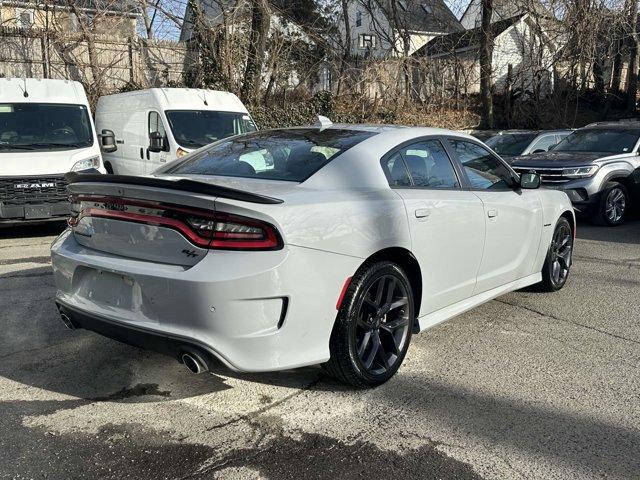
(204, 228)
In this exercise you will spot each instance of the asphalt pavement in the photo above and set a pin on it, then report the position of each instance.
(527, 386)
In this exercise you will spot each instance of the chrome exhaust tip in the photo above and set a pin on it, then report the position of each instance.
(194, 362)
(67, 321)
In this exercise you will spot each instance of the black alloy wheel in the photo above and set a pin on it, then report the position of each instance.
(559, 258)
(373, 328)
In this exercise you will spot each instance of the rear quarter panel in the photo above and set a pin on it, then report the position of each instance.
(356, 223)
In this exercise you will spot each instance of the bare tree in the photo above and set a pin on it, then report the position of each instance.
(486, 60)
(260, 22)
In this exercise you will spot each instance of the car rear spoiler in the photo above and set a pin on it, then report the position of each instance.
(184, 185)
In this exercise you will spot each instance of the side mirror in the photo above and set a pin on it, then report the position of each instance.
(108, 141)
(156, 142)
(539, 150)
(530, 180)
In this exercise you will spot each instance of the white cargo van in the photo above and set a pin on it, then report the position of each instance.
(46, 130)
(143, 129)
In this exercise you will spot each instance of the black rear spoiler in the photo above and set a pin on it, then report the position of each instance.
(184, 185)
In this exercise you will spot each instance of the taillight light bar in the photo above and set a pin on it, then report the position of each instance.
(204, 228)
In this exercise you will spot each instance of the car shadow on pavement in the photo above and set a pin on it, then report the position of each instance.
(33, 231)
(628, 232)
(532, 428)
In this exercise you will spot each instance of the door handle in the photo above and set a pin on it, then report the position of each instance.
(422, 212)
(147, 154)
(492, 213)
(141, 153)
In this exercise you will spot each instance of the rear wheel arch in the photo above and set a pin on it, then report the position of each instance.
(409, 264)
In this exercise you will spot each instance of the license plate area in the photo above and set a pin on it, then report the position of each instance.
(106, 288)
(34, 212)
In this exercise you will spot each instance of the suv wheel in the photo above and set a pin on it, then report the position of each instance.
(613, 205)
(373, 328)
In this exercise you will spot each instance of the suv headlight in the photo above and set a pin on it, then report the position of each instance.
(86, 164)
(580, 172)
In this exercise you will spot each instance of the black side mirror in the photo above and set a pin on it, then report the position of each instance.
(108, 141)
(156, 142)
(530, 180)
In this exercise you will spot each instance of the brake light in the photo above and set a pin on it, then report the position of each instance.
(228, 231)
(204, 228)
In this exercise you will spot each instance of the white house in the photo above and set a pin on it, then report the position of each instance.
(522, 59)
(502, 10)
(378, 27)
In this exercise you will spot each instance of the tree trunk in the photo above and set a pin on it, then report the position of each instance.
(260, 21)
(347, 44)
(616, 69)
(632, 71)
(486, 60)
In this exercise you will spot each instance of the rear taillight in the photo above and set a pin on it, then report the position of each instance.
(228, 231)
(204, 228)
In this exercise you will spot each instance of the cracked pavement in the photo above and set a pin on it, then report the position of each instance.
(527, 386)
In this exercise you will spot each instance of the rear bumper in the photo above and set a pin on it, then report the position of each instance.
(171, 345)
(254, 311)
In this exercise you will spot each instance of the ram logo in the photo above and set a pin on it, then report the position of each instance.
(190, 253)
(29, 186)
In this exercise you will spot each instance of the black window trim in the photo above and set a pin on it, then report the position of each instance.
(468, 186)
(159, 117)
(458, 172)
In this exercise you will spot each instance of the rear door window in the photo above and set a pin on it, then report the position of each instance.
(423, 164)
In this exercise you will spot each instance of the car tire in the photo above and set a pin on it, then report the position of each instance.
(613, 205)
(108, 168)
(373, 327)
(557, 263)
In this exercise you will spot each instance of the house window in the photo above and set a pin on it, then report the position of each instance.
(367, 41)
(358, 18)
(24, 18)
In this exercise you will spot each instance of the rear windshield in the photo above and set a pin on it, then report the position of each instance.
(291, 155)
(612, 140)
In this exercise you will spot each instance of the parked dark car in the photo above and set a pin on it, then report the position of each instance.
(512, 143)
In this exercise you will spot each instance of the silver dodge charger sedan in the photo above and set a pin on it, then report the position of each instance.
(330, 245)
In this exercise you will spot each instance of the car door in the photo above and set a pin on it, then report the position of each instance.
(513, 216)
(133, 143)
(154, 160)
(446, 222)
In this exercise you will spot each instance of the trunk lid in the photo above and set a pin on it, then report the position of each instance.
(155, 219)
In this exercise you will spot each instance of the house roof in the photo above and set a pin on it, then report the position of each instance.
(464, 39)
(506, 9)
(426, 16)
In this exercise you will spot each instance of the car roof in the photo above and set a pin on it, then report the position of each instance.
(621, 124)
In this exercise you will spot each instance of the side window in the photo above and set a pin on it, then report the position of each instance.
(155, 123)
(429, 165)
(483, 169)
(544, 143)
(423, 164)
(396, 171)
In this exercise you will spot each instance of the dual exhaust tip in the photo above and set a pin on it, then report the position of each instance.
(191, 359)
